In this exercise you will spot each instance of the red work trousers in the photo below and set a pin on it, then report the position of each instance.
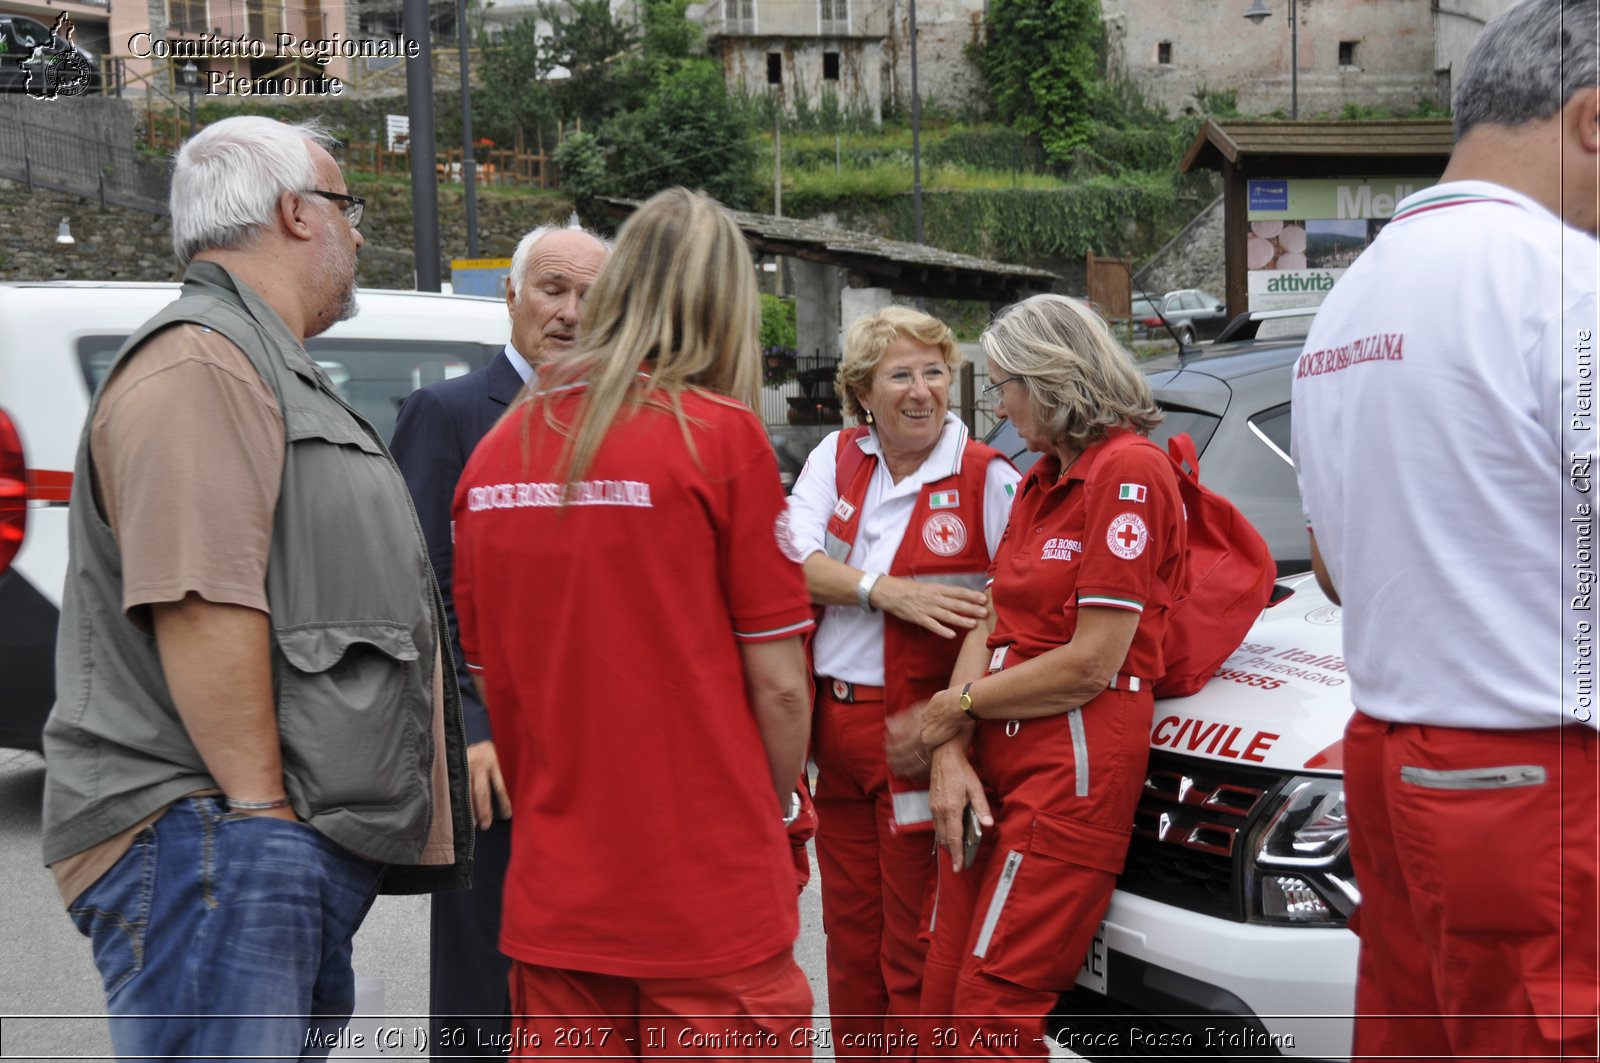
(876, 884)
(1011, 932)
(761, 1012)
(1479, 921)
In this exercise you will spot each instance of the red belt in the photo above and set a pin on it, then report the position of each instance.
(849, 693)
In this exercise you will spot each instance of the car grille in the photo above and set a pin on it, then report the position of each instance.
(1191, 832)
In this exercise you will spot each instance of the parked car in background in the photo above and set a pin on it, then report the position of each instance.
(1192, 314)
(1227, 935)
(70, 333)
(1233, 400)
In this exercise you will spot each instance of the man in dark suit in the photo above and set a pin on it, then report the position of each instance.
(437, 430)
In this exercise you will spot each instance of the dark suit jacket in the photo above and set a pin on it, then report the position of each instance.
(438, 428)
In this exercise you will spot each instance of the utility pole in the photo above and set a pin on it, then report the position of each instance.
(469, 159)
(424, 181)
(916, 134)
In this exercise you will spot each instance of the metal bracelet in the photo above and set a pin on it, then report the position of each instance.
(256, 806)
(864, 590)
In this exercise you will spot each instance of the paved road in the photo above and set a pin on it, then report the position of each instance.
(50, 999)
(46, 969)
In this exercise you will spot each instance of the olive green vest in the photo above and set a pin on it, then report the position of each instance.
(356, 622)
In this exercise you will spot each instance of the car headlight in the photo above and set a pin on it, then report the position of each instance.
(1300, 870)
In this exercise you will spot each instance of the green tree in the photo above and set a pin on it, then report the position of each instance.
(1042, 63)
(582, 165)
(689, 132)
(598, 52)
(516, 98)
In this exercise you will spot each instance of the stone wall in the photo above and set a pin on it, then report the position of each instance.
(130, 245)
(1192, 259)
(1172, 49)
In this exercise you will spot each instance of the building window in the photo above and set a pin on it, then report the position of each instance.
(1347, 53)
(187, 16)
(741, 16)
(830, 66)
(833, 12)
(774, 68)
(1164, 53)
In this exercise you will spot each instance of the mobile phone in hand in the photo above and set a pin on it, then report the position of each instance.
(971, 836)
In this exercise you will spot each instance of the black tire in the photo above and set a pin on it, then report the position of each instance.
(1185, 336)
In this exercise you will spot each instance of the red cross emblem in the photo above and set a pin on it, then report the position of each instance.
(944, 534)
(1127, 536)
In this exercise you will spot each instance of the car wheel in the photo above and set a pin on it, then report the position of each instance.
(1186, 336)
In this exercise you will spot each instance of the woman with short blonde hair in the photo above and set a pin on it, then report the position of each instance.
(1079, 380)
(896, 522)
(1052, 690)
(870, 337)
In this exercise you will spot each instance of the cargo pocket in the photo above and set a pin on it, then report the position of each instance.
(777, 1006)
(1048, 902)
(114, 913)
(1482, 852)
(339, 715)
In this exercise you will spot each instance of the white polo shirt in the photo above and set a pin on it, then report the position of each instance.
(849, 643)
(1444, 435)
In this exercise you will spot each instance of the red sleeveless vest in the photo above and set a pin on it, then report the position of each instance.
(944, 542)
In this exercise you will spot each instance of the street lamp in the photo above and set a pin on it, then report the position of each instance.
(1258, 14)
(189, 78)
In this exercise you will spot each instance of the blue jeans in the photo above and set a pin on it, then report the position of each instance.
(221, 935)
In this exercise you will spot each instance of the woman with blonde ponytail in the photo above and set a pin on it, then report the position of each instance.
(636, 632)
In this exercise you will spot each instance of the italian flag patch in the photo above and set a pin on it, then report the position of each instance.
(944, 500)
(1132, 492)
(1011, 490)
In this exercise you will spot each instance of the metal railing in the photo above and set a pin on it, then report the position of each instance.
(43, 156)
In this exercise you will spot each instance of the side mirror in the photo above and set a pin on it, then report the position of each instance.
(1220, 308)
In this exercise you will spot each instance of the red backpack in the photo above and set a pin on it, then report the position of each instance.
(1229, 573)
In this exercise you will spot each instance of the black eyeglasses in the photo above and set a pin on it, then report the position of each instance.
(354, 206)
(990, 390)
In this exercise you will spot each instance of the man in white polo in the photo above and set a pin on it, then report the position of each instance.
(1444, 431)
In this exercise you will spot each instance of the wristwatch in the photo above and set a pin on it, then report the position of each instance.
(966, 701)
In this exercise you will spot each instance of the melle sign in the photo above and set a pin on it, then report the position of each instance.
(1313, 199)
(1304, 232)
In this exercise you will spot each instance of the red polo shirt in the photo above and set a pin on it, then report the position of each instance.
(1109, 533)
(646, 839)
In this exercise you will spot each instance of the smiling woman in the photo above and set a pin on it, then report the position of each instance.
(895, 521)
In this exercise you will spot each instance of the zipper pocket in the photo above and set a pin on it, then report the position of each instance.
(1475, 778)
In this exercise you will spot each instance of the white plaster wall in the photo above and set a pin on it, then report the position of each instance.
(860, 84)
(857, 303)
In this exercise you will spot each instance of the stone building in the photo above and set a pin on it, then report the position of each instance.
(1392, 54)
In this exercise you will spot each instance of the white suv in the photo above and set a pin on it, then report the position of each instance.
(59, 341)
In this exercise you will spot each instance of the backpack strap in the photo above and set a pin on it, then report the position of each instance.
(1180, 448)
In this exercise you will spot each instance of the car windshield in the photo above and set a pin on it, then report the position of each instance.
(1144, 308)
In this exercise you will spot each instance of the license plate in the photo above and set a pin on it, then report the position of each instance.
(1092, 975)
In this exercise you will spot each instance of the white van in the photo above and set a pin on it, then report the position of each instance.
(58, 343)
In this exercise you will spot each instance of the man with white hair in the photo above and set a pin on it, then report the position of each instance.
(253, 732)
(1444, 438)
(437, 430)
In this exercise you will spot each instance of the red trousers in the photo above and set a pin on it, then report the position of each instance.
(761, 1012)
(1475, 853)
(1011, 932)
(876, 884)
